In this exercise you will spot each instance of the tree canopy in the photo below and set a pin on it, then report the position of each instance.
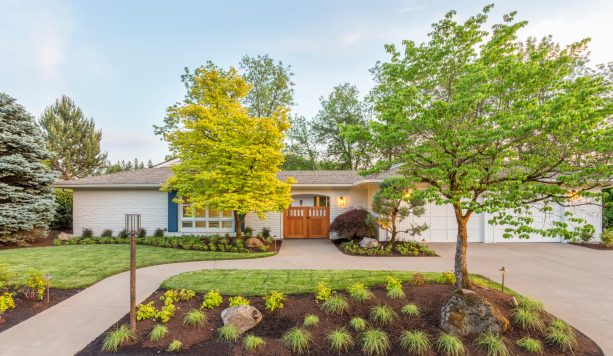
(492, 124)
(72, 139)
(229, 158)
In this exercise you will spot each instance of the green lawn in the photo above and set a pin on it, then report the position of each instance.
(83, 265)
(259, 282)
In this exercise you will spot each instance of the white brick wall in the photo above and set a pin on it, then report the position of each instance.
(106, 209)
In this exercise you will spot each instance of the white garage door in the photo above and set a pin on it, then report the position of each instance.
(540, 221)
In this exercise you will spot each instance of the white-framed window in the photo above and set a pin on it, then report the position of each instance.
(205, 220)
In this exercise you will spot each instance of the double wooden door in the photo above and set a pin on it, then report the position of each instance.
(310, 222)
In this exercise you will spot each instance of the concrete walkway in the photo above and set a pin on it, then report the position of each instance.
(575, 283)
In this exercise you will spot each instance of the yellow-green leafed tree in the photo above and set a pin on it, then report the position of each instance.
(229, 159)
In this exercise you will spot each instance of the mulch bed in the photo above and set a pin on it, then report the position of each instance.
(26, 308)
(337, 243)
(593, 246)
(41, 242)
(430, 298)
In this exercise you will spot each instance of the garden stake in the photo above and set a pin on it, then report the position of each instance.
(503, 270)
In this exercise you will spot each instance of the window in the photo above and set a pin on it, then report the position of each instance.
(205, 220)
(321, 200)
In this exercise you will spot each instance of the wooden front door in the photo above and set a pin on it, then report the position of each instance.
(312, 222)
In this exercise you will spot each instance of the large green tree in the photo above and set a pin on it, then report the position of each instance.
(340, 110)
(301, 152)
(26, 195)
(492, 124)
(72, 139)
(229, 158)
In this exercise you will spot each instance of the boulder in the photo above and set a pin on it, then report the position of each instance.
(367, 242)
(253, 242)
(62, 236)
(468, 313)
(243, 317)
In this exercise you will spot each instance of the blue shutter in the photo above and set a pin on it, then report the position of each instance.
(173, 213)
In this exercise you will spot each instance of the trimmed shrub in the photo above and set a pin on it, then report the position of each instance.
(62, 219)
(238, 300)
(107, 233)
(159, 232)
(123, 234)
(353, 224)
(142, 232)
(87, 232)
(212, 299)
(607, 237)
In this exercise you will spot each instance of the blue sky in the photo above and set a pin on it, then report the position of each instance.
(121, 60)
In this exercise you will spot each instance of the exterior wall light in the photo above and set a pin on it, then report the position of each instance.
(341, 202)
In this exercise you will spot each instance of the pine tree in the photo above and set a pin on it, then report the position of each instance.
(26, 195)
(73, 140)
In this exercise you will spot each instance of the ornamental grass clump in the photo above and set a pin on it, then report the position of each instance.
(340, 340)
(158, 332)
(493, 344)
(298, 340)
(394, 288)
(252, 343)
(357, 323)
(562, 336)
(383, 314)
(194, 318)
(228, 333)
(411, 310)
(175, 346)
(415, 342)
(336, 305)
(359, 292)
(310, 320)
(531, 345)
(374, 342)
(530, 304)
(450, 345)
(528, 320)
(116, 338)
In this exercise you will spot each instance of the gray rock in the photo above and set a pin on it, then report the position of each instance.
(367, 242)
(253, 242)
(64, 236)
(468, 313)
(243, 317)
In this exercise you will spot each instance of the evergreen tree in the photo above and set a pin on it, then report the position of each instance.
(26, 195)
(73, 140)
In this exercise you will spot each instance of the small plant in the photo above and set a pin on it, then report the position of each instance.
(528, 320)
(335, 305)
(115, 338)
(158, 332)
(561, 335)
(531, 304)
(359, 292)
(274, 300)
(607, 237)
(357, 323)
(212, 299)
(228, 333)
(340, 340)
(159, 232)
(297, 340)
(310, 320)
(146, 311)
(175, 346)
(265, 232)
(394, 288)
(6, 302)
(142, 232)
(166, 313)
(87, 232)
(248, 232)
(374, 342)
(238, 300)
(450, 345)
(252, 343)
(194, 318)
(170, 296)
(447, 278)
(411, 310)
(383, 314)
(418, 279)
(493, 344)
(36, 285)
(322, 292)
(530, 345)
(186, 294)
(107, 233)
(416, 342)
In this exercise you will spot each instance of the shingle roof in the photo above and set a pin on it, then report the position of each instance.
(157, 176)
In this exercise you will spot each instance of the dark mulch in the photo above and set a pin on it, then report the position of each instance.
(383, 244)
(594, 246)
(45, 241)
(26, 308)
(429, 298)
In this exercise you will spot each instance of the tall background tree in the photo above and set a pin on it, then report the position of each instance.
(494, 125)
(301, 152)
(229, 158)
(342, 108)
(72, 139)
(26, 196)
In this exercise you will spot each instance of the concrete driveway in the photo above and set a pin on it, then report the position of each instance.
(575, 284)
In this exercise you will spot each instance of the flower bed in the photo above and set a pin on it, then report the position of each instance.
(400, 248)
(355, 321)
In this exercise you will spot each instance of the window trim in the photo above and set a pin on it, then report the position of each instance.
(206, 219)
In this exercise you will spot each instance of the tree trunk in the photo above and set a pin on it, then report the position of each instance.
(461, 269)
(237, 225)
(394, 231)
